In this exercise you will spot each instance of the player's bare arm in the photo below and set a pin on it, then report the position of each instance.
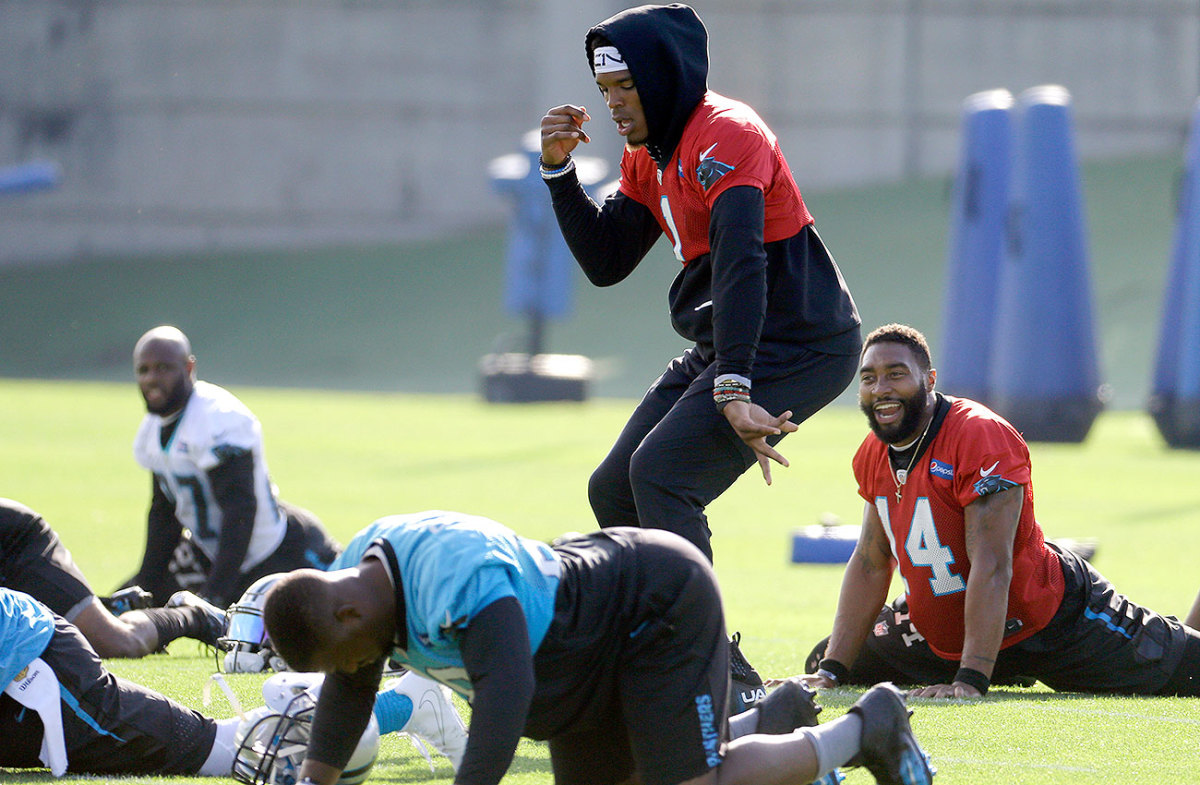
(991, 524)
(316, 773)
(1193, 617)
(865, 585)
(562, 131)
(753, 424)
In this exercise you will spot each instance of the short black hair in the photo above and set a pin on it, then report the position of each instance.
(297, 614)
(902, 334)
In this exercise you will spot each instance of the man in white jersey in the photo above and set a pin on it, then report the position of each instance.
(215, 523)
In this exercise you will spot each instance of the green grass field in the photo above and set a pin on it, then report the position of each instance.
(352, 457)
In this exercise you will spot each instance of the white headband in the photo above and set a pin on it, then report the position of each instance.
(606, 59)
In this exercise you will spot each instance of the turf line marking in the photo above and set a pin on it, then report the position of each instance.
(1008, 763)
(1122, 715)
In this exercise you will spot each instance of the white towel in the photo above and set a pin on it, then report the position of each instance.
(37, 688)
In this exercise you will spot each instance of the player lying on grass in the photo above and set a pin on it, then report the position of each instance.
(948, 486)
(63, 710)
(34, 560)
(611, 646)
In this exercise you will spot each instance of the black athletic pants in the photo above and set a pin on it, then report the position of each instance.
(677, 453)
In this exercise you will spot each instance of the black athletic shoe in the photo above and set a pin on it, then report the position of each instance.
(791, 705)
(889, 750)
(132, 598)
(212, 619)
(813, 661)
(747, 685)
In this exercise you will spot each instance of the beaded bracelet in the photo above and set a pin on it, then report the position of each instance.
(730, 387)
(549, 174)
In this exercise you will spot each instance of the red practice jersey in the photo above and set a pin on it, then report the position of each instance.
(724, 144)
(975, 452)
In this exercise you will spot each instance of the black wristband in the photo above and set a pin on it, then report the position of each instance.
(840, 672)
(974, 678)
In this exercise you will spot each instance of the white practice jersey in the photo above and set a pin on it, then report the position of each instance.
(213, 421)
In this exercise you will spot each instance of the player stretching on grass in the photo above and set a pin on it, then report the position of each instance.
(61, 709)
(611, 646)
(34, 560)
(215, 523)
(775, 330)
(949, 499)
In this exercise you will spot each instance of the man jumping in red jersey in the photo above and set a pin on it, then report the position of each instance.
(758, 294)
(949, 500)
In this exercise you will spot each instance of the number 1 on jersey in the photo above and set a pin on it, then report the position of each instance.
(676, 243)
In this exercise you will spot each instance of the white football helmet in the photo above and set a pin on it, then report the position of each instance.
(273, 739)
(245, 642)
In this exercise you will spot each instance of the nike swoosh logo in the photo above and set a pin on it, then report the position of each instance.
(987, 472)
(435, 708)
(702, 306)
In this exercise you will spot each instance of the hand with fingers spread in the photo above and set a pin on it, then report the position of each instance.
(754, 424)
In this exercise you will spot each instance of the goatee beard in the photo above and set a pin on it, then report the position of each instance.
(905, 430)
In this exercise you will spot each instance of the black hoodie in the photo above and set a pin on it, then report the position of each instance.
(770, 301)
(666, 49)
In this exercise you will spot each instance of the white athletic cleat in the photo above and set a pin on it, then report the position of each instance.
(434, 718)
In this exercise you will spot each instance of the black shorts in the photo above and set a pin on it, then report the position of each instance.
(33, 560)
(633, 673)
(111, 726)
(306, 543)
(1098, 641)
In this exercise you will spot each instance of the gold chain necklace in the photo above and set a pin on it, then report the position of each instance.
(900, 476)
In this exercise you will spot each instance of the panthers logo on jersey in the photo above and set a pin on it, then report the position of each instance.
(991, 483)
(710, 169)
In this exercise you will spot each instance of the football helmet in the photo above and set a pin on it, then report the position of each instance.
(272, 741)
(245, 642)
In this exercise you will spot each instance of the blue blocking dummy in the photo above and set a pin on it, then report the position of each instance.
(979, 204)
(1175, 392)
(30, 177)
(539, 267)
(1044, 375)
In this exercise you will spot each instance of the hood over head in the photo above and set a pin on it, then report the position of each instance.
(665, 48)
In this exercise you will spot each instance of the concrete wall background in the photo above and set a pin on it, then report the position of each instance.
(203, 124)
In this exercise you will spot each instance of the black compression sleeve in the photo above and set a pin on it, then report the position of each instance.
(495, 650)
(343, 712)
(608, 241)
(162, 535)
(739, 277)
(233, 486)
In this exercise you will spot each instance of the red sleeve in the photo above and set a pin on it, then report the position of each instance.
(744, 148)
(991, 456)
